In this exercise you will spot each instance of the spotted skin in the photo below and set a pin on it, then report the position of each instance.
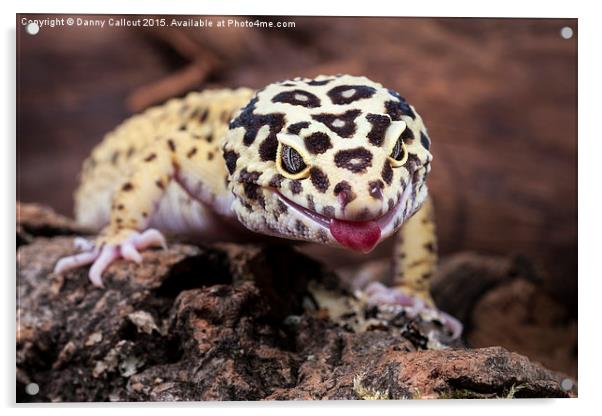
(216, 157)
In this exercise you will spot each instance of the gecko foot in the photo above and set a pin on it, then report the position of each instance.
(103, 254)
(379, 294)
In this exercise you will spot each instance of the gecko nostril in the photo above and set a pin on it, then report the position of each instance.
(375, 189)
(344, 193)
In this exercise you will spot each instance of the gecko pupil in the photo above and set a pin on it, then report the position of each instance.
(292, 160)
(398, 151)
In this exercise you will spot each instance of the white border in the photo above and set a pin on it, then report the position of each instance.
(590, 150)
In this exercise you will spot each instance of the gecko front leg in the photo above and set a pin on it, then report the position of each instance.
(132, 207)
(414, 263)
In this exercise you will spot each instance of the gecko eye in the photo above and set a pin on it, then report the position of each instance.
(291, 163)
(399, 154)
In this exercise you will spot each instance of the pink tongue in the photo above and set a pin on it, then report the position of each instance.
(361, 236)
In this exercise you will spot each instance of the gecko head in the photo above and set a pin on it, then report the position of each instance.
(339, 160)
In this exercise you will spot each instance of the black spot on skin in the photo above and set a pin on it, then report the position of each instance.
(356, 160)
(375, 189)
(425, 141)
(191, 152)
(250, 190)
(344, 193)
(268, 148)
(248, 177)
(171, 145)
(407, 135)
(230, 157)
(114, 157)
(380, 124)
(130, 152)
(120, 207)
(260, 199)
(119, 220)
(430, 247)
(210, 156)
(246, 205)
(282, 207)
(295, 186)
(398, 108)
(253, 122)
(145, 214)
(319, 179)
(318, 83)
(417, 177)
(390, 204)
(204, 116)
(209, 138)
(225, 116)
(413, 163)
(159, 184)
(297, 97)
(297, 127)
(363, 215)
(322, 236)
(276, 180)
(331, 120)
(150, 157)
(310, 202)
(387, 173)
(426, 276)
(317, 143)
(341, 95)
(300, 227)
(127, 187)
(182, 127)
(328, 211)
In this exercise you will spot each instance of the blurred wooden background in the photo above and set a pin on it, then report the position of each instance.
(499, 97)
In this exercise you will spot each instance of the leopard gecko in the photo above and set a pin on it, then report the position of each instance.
(339, 160)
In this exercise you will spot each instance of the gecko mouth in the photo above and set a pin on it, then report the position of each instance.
(357, 235)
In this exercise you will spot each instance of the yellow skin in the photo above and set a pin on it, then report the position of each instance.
(338, 160)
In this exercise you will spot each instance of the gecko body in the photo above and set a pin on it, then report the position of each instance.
(337, 160)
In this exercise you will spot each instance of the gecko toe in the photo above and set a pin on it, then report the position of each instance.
(379, 294)
(75, 261)
(453, 325)
(129, 252)
(106, 257)
(150, 238)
